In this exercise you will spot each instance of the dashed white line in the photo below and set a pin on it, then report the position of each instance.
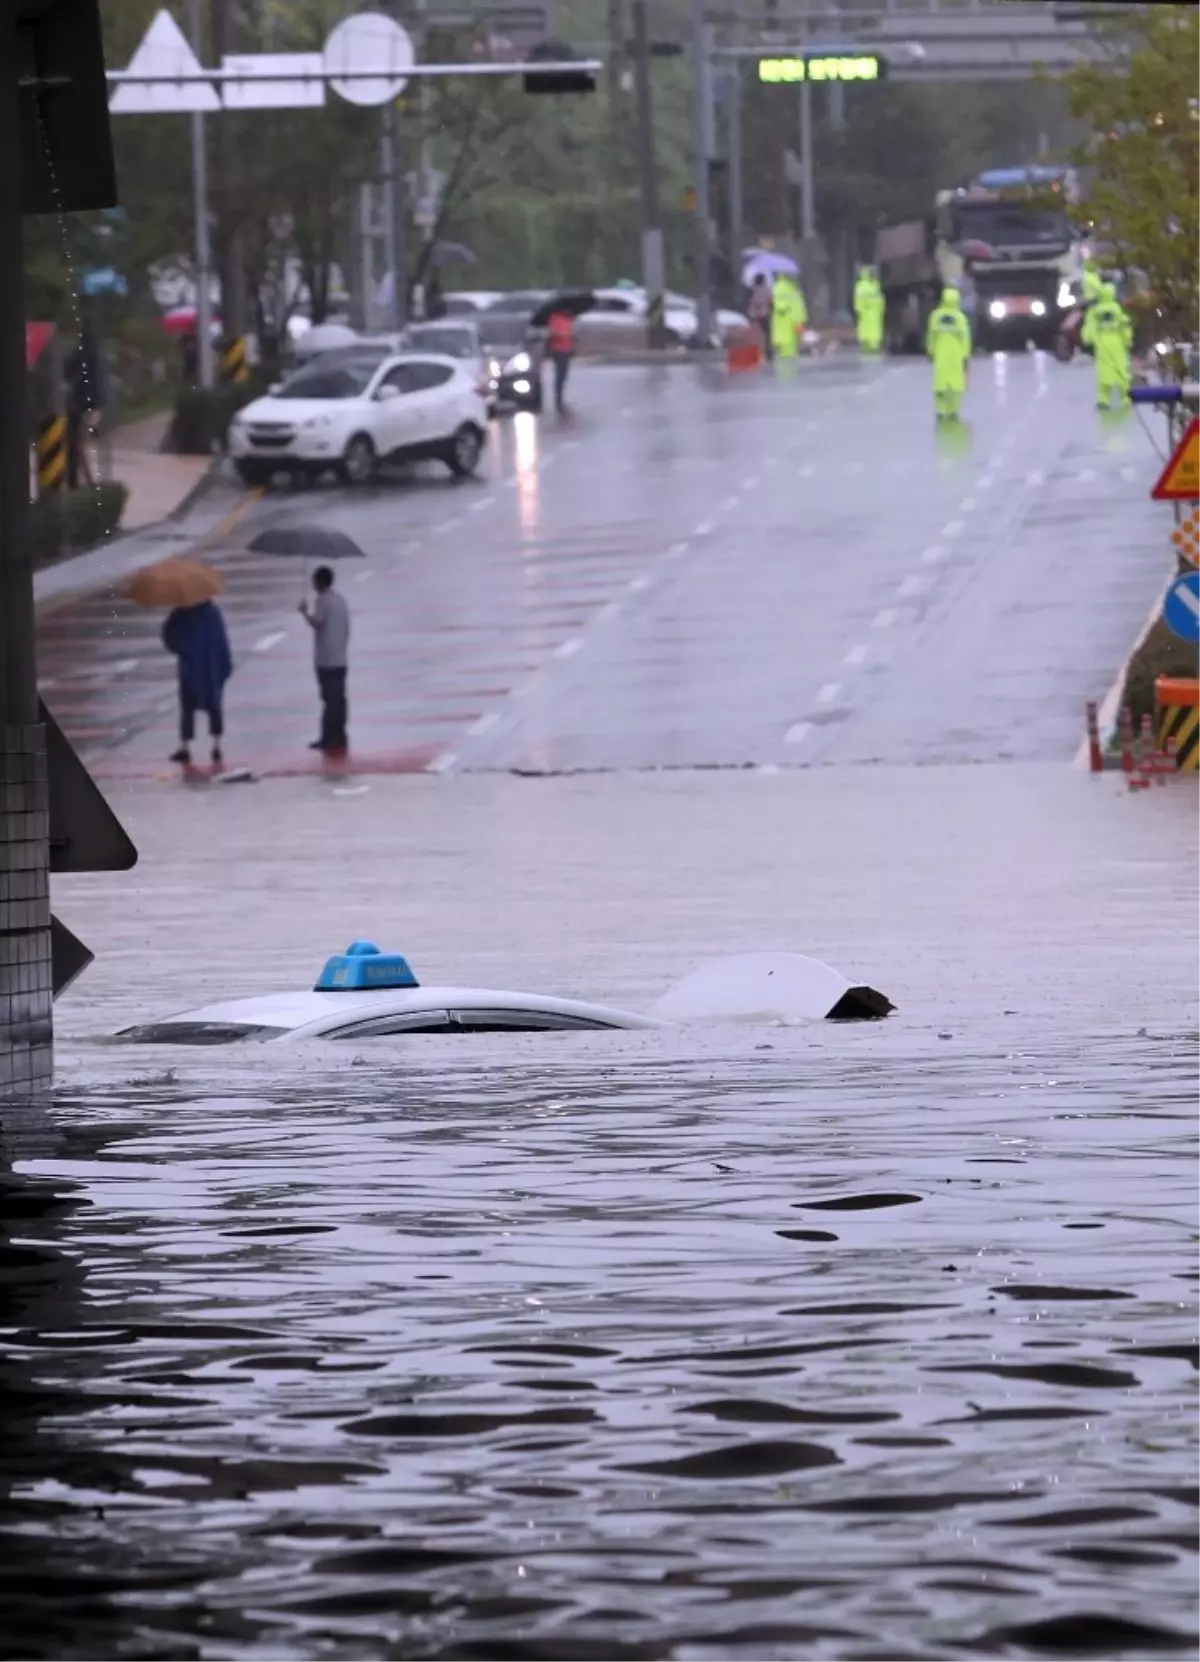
(449, 524)
(362, 576)
(884, 619)
(934, 553)
(679, 547)
(606, 612)
(749, 482)
(122, 666)
(1035, 478)
(481, 506)
(268, 641)
(484, 724)
(568, 649)
(952, 527)
(1128, 473)
(704, 527)
(807, 471)
(829, 692)
(797, 732)
(1085, 474)
(730, 502)
(913, 584)
(639, 583)
(856, 655)
(986, 483)
(967, 503)
(442, 763)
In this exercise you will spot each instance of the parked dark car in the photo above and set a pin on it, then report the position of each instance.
(512, 354)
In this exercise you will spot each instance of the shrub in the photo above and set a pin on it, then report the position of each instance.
(202, 417)
(1161, 653)
(65, 522)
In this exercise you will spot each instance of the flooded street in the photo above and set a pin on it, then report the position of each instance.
(792, 1348)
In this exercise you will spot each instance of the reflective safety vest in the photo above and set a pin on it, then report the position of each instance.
(561, 332)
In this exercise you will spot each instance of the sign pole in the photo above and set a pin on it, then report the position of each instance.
(203, 256)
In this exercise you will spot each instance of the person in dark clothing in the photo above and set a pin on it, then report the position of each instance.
(196, 635)
(560, 344)
(328, 616)
(85, 397)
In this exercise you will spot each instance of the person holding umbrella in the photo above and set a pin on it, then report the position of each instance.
(195, 633)
(557, 317)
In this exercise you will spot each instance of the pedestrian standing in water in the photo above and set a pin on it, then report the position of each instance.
(560, 345)
(948, 346)
(758, 310)
(197, 637)
(328, 616)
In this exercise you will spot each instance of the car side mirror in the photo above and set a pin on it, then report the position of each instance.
(387, 393)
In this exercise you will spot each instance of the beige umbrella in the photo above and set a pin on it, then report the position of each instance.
(174, 582)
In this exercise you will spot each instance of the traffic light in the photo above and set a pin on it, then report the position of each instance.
(560, 75)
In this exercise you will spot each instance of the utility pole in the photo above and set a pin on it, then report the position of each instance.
(653, 273)
(393, 229)
(230, 261)
(203, 256)
(737, 191)
(701, 151)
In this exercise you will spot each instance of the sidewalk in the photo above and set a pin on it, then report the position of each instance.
(158, 483)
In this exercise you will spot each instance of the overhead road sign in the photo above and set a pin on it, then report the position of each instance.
(173, 79)
(1181, 608)
(259, 87)
(369, 41)
(1180, 479)
(850, 66)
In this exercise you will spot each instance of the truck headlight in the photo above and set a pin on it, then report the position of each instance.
(1038, 308)
(997, 309)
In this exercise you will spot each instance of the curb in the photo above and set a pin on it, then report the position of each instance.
(1106, 714)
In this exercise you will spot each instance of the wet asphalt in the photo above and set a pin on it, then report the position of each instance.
(690, 570)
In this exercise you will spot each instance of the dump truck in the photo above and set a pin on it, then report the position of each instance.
(1005, 241)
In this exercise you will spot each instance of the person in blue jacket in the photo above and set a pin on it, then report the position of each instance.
(196, 635)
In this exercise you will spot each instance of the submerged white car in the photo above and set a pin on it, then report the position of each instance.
(367, 994)
(351, 413)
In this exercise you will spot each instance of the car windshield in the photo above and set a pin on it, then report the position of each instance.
(1006, 223)
(198, 1033)
(505, 330)
(341, 380)
(452, 343)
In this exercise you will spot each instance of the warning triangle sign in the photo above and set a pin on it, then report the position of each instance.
(1180, 479)
(163, 52)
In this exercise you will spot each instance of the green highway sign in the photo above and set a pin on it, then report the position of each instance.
(862, 66)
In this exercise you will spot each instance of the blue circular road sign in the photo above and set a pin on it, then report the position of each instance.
(1181, 608)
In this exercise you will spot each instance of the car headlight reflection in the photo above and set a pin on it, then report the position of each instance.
(997, 309)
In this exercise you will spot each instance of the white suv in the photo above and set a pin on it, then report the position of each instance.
(351, 412)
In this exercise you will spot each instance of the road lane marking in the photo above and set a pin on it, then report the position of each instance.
(1086, 474)
(807, 471)
(797, 732)
(704, 527)
(640, 583)
(986, 483)
(226, 524)
(913, 584)
(1035, 478)
(967, 503)
(935, 552)
(829, 692)
(268, 641)
(568, 649)
(749, 482)
(483, 724)
(442, 763)
(882, 620)
(856, 655)
(449, 524)
(678, 547)
(730, 502)
(362, 577)
(952, 527)
(481, 506)
(121, 667)
(607, 612)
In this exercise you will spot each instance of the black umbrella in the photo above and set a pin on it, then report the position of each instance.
(306, 542)
(572, 301)
(451, 253)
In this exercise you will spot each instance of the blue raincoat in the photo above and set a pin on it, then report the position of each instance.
(196, 635)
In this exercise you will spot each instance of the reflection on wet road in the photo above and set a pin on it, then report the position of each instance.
(696, 570)
(645, 1359)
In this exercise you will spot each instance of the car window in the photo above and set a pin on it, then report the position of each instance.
(404, 376)
(342, 380)
(612, 304)
(504, 331)
(455, 343)
(424, 375)
(198, 1033)
(380, 1027)
(522, 1021)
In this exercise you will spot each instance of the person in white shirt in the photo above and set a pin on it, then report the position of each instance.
(328, 616)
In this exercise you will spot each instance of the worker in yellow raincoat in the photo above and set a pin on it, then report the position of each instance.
(868, 310)
(1108, 330)
(948, 344)
(789, 315)
(1091, 283)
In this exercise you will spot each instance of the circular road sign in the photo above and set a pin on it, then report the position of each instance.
(368, 40)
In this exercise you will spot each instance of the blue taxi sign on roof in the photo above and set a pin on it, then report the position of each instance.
(363, 967)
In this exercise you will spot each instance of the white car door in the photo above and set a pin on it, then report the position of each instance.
(393, 417)
(432, 401)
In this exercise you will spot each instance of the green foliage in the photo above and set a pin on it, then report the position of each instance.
(1161, 653)
(65, 522)
(202, 416)
(1139, 104)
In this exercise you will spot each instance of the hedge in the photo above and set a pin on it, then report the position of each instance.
(65, 522)
(202, 417)
(1161, 653)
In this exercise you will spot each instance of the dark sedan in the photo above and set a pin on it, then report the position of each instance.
(513, 360)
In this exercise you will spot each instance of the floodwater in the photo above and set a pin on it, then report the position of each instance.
(567, 1348)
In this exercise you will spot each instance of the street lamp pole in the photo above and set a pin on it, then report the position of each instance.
(701, 151)
(203, 253)
(653, 272)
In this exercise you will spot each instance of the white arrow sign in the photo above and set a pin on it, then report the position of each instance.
(163, 52)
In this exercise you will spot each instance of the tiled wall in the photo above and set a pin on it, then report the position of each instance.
(26, 985)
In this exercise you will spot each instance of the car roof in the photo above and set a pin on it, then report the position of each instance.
(295, 1010)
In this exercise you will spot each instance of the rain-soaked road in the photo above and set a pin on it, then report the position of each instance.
(754, 1341)
(695, 571)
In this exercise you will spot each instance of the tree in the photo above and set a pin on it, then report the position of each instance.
(1140, 159)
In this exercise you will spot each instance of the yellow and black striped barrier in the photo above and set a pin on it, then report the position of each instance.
(1178, 704)
(51, 454)
(234, 367)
